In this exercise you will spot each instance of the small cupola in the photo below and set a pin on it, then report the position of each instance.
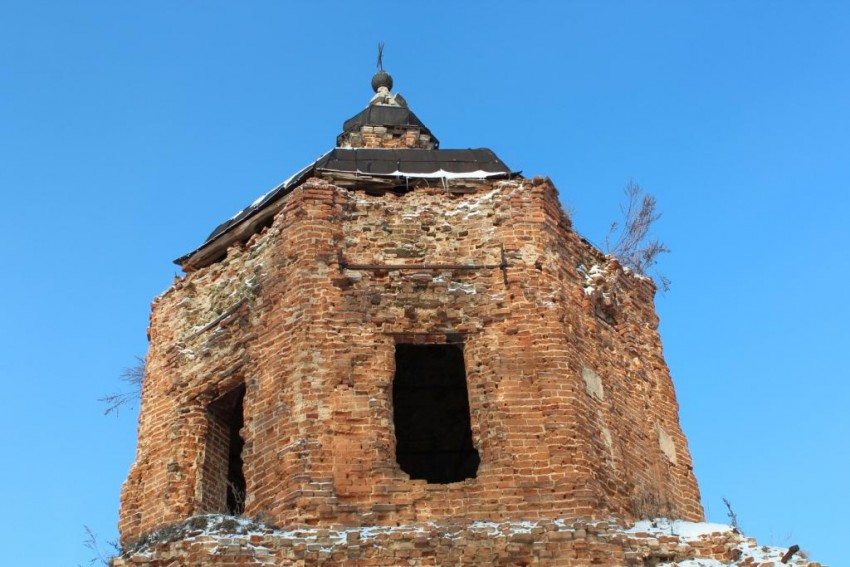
(387, 122)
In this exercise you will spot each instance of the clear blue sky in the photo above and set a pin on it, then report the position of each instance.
(129, 130)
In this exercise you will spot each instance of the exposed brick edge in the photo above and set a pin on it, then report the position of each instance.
(222, 540)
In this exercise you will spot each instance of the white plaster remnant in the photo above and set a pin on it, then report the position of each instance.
(459, 287)
(189, 353)
(606, 436)
(353, 275)
(666, 444)
(592, 383)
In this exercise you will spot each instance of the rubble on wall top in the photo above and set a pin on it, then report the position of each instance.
(385, 115)
(659, 542)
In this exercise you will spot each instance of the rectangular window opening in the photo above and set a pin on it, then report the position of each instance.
(224, 476)
(431, 414)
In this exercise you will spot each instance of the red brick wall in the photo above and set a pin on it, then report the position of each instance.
(573, 414)
(217, 541)
(213, 479)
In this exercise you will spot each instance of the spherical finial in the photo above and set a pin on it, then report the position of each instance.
(382, 79)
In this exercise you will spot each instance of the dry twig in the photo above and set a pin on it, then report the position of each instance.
(629, 242)
(91, 544)
(133, 376)
(733, 517)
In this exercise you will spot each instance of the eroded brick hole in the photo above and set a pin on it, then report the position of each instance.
(224, 477)
(431, 414)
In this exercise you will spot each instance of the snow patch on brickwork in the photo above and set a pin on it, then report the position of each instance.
(750, 553)
(441, 174)
(500, 528)
(459, 287)
(472, 207)
(592, 277)
(679, 528)
(661, 542)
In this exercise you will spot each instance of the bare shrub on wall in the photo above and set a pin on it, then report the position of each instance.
(100, 557)
(628, 240)
(133, 377)
(733, 517)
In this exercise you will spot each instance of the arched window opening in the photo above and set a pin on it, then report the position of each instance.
(431, 414)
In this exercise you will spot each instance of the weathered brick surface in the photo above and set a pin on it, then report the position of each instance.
(387, 137)
(572, 408)
(542, 542)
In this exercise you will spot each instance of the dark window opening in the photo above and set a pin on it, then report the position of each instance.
(431, 414)
(223, 471)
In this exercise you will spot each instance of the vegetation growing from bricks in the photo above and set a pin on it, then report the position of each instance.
(628, 240)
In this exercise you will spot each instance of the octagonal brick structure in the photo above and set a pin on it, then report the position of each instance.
(571, 408)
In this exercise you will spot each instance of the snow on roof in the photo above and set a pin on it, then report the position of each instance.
(473, 164)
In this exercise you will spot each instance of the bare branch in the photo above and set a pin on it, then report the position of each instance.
(133, 376)
(630, 243)
(733, 517)
(91, 543)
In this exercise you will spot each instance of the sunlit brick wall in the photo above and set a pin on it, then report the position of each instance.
(572, 408)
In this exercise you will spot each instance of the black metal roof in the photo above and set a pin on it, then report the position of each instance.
(385, 115)
(413, 162)
(403, 164)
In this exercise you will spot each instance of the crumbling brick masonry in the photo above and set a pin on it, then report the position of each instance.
(400, 335)
(571, 406)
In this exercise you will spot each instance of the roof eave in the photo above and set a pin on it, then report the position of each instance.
(246, 223)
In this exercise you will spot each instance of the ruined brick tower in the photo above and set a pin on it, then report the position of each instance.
(401, 335)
